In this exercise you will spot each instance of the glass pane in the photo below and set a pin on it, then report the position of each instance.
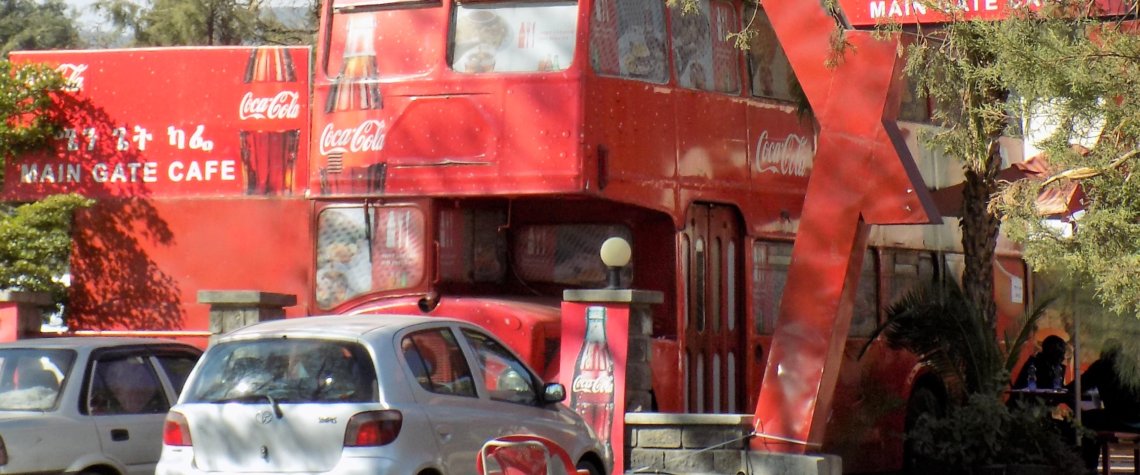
(438, 363)
(30, 379)
(771, 73)
(502, 37)
(505, 377)
(865, 315)
(471, 247)
(126, 385)
(627, 39)
(566, 254)
(358, 252)
(343, 269)
(177, 369)
(703, 56)
(290, 370)
(770, 272)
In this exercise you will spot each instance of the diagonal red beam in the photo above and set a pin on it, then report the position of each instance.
(863, 174)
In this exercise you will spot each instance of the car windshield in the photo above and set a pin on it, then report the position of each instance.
(30, 379)
(284, 371)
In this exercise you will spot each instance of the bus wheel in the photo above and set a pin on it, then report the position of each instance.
(925, 399)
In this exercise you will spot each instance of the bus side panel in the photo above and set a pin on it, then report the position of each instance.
(139, 264)
(634, 152)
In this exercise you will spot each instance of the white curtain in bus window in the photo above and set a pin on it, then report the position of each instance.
(627, 39)
(703, 56)
(566, 254)
(768, 65)
(513, 37)
(398, 248)
(343, 268)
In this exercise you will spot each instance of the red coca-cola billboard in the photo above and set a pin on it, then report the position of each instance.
(595, 342)
(173, 122)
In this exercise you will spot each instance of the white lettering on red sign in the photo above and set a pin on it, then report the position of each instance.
(792, 156)
(285, 105)
(585, 384)
(366, 137)
(72, 75)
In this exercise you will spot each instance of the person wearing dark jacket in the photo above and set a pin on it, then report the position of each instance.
(1119, 397)
(1046, 368)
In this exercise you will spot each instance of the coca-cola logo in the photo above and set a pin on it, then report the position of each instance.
(285, 105)
(792, 156)
(72, 76)
(599, 385)
(366, 137)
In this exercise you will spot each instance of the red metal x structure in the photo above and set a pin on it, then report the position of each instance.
(863, 174)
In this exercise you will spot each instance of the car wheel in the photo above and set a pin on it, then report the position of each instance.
(589, 467)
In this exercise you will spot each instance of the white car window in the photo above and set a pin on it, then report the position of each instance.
(438, 363)
(291, 370)
(506, 378)
(30, 379)
(125, 385)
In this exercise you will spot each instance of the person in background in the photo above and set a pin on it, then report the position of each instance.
(1046, 368)
(1120, 399)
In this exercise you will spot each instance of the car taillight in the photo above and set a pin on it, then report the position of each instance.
(176, 431)
(373, 429)
(3, 452)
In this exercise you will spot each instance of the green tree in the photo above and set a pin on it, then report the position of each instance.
(210, 22)
(35, 239)
(31, 25)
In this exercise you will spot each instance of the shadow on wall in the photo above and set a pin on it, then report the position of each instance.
(115, 283)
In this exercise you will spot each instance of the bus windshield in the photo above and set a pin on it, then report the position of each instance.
(512, 37)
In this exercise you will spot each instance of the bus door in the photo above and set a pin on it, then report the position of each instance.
(712, 317)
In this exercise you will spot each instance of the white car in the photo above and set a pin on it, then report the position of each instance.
(379, 394)
(88, 405)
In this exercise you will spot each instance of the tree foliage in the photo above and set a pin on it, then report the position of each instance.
(1083, 78)
(31, 25)
(210, 22)
(35, 239)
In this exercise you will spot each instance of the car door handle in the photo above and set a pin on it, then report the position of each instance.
(119, 435)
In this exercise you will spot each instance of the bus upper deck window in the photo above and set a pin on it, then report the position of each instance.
(770, 72)
(512, 37)
(704, 57)
(627, 39)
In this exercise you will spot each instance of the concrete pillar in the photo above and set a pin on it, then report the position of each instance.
(22, 314)
(233, 309)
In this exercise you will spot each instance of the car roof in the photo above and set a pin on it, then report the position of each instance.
(345, 326)
(88, 342)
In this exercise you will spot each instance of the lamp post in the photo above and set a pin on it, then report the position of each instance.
(615, 254)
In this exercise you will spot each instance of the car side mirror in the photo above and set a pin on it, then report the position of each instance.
(553, 392)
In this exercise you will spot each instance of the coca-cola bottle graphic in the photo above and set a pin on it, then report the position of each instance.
(592, 389)
(269, 146)
(355, 88)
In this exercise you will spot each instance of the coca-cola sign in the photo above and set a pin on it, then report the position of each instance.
(72, 75)
(284, 105)
(604, 384)
(368, 136)
(791, 156)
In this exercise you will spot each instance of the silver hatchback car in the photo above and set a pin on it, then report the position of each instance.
(383, 394)
(88, 405)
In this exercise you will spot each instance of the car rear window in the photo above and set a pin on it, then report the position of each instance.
(286, 371)
(30, 378)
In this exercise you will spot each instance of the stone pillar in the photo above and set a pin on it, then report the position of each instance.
(22, 314)
(233, 309)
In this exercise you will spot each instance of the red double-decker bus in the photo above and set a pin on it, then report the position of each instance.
(469, 158)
